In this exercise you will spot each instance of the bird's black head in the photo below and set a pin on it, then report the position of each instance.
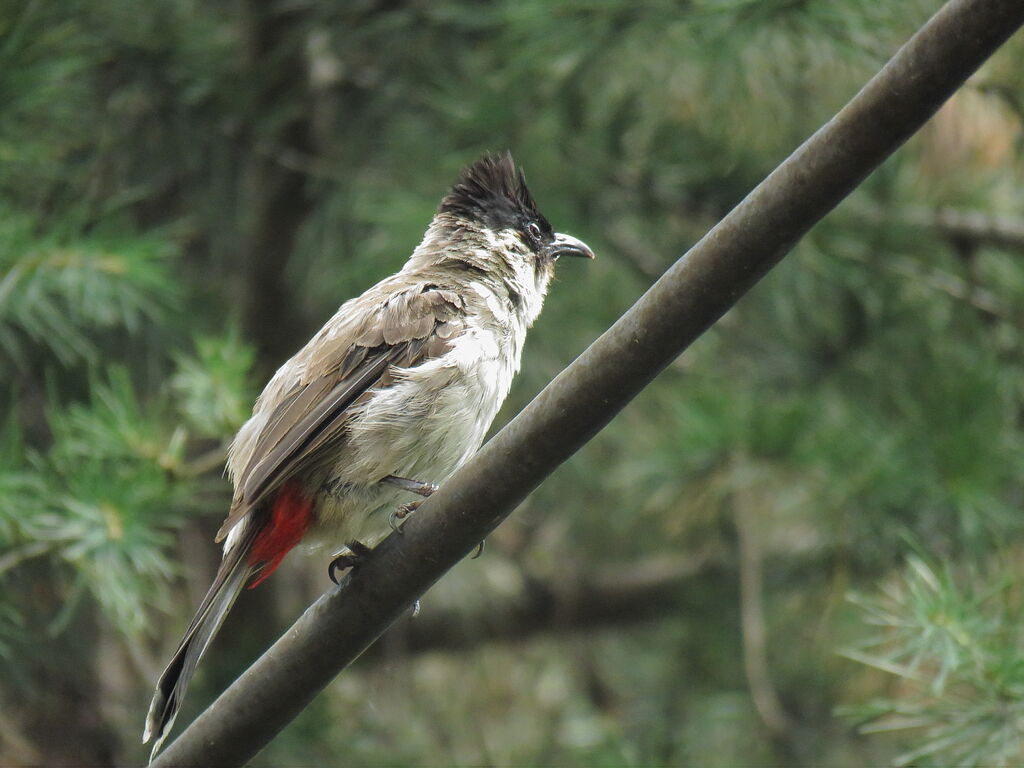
(492, 194)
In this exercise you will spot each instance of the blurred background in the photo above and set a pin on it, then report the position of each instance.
(802, 545)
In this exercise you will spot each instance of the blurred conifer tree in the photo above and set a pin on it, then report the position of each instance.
(188, 190)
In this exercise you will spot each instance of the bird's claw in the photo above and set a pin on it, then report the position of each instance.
(340, 563)
(353, 558)
(478, 551)
(397, 517)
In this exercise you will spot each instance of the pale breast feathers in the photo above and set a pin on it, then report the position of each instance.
(352, 355)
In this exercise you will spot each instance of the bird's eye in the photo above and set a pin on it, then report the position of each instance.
(533, 230)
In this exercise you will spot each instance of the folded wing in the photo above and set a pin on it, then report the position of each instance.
(405, 330)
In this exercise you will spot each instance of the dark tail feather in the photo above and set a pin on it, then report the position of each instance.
(170, 688)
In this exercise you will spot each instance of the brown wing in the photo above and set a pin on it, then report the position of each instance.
(405, 330)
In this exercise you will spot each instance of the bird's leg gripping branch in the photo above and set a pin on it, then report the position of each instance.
(398, 516)
(413, 486)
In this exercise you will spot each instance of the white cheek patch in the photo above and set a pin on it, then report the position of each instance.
(491, 238)
(527, 280)
(504, 240)
(513, 241)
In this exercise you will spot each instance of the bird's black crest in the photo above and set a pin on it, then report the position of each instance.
(492, 192)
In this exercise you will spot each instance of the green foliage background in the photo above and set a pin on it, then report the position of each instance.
(188, 190)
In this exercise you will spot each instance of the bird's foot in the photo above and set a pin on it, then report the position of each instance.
(353, 558)
(478, 551)
(413, 486)
(397, 517)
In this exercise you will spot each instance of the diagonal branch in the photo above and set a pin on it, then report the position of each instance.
(692, 295)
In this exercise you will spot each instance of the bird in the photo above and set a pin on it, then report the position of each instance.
(392, 395)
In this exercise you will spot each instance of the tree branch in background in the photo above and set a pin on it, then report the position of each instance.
(755, 636)
(692, 295)
(976, 227)
(944, 282)
(626, 593)
(281, 199)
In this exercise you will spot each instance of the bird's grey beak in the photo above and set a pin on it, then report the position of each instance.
(567, 245)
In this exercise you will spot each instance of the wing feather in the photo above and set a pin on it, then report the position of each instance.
(405, 330)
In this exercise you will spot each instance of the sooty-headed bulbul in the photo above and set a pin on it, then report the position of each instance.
(392, 395)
